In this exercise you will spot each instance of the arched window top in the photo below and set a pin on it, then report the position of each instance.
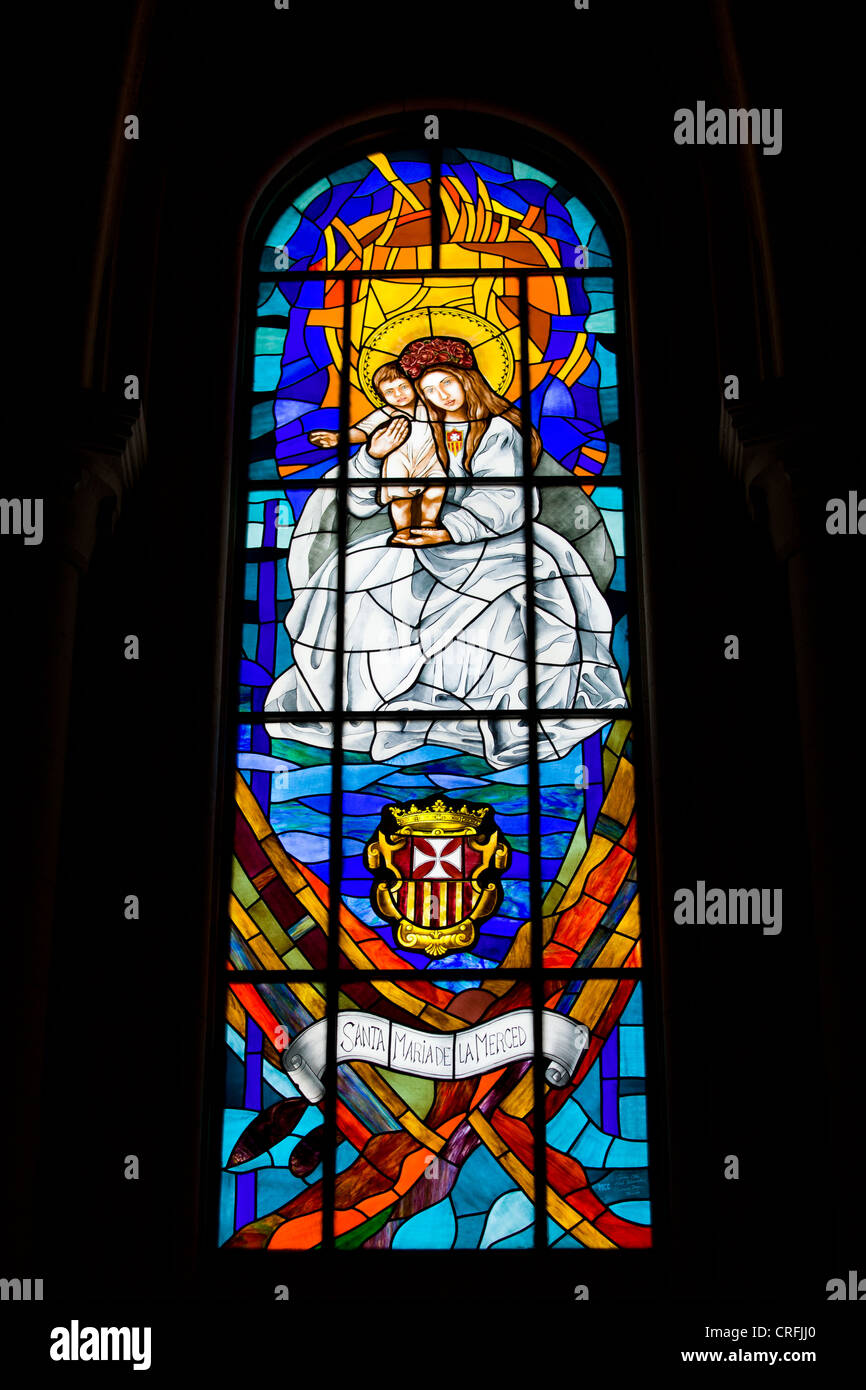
(430, 247)
(378, 213)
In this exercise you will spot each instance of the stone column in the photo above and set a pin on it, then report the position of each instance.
(106, 458)
(762, 438)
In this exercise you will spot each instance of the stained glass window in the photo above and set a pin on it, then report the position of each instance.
(434, 980)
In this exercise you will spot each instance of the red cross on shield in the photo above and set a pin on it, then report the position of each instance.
(436, 889)
(437, 873)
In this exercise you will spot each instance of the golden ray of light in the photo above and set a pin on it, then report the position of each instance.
(396, 203)
(452, 215)
(488, 211)
(573, 357)
(334, 346)
(562, 296)
(468, 205)
(349, 234)
(578, 369)
(383, 165)
(505, 224)
(550, 257)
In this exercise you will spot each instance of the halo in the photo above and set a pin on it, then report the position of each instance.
(491, 347)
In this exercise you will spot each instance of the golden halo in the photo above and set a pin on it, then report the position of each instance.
(491, 347)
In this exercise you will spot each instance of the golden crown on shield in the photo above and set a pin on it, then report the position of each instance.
(433, 891)
(438, 819)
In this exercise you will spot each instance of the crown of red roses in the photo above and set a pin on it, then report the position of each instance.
(425, 353)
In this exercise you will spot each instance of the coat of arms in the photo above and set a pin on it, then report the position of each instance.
(438, 873)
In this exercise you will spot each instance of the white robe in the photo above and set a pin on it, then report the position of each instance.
(440, 631)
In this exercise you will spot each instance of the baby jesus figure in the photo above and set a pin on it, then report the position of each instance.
(386, 432)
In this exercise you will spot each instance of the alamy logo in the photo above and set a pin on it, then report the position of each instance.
(22, 517)
(854, 1289)
(738, 126)
(847, 520)
(21, 1290)
(737, 907)
(102, 1344)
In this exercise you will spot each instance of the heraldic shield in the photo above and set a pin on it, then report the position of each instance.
(438, 873)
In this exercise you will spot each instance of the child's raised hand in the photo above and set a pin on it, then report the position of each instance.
(323, 439)
(386, 440)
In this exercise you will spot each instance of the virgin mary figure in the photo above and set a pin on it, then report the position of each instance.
(435, 617)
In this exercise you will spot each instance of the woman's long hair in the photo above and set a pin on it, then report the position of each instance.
(482, 404)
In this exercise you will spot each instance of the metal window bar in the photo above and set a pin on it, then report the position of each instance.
(533, 790)
(590, 272)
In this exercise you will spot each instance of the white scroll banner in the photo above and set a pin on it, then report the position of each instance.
(363, 1037)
